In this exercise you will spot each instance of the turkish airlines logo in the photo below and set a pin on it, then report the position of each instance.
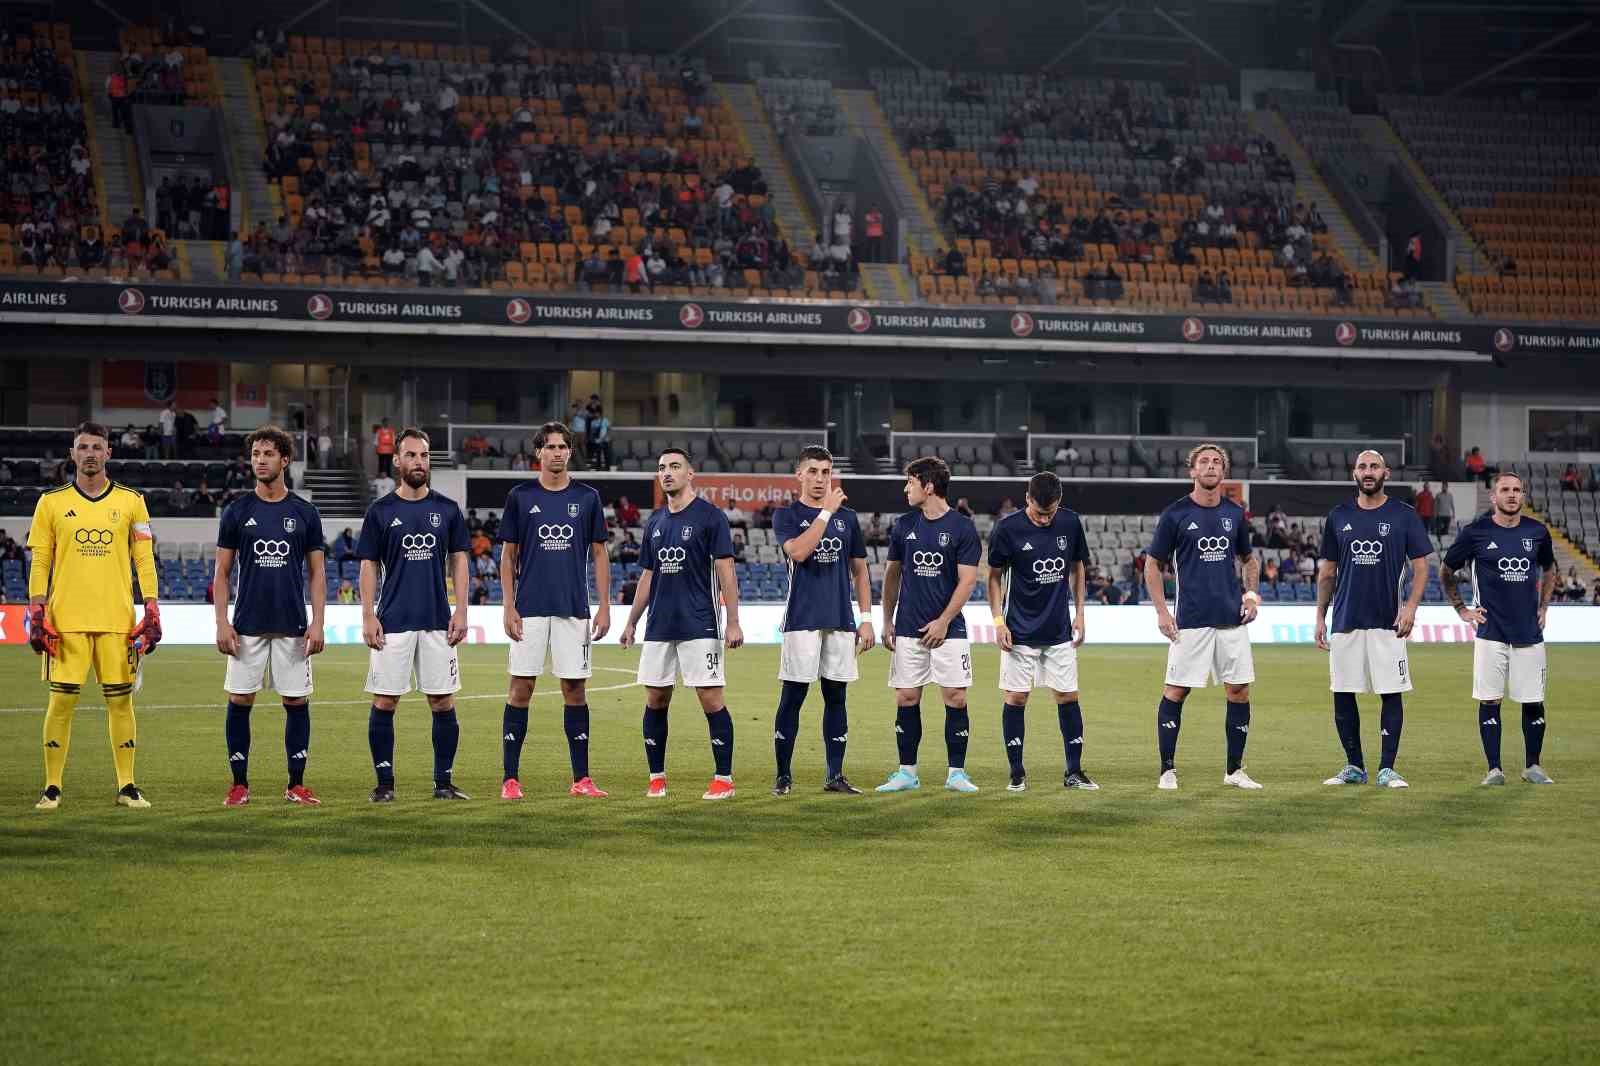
(320, 306)
(130, 301)
(518, 311)
(1193, 330)
(690, 316)
(859, 320)
(1504, 340)
(1345, 334)
(1021, 323)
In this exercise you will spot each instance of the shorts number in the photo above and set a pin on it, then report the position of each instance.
(712, 659)
(453, 669)
(1402, 669)
(966, 664)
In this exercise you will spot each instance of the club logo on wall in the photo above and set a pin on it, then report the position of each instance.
(160, 381)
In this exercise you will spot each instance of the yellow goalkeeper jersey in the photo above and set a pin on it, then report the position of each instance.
(85, 550)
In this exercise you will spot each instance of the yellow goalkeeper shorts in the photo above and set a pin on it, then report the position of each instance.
(115, 661)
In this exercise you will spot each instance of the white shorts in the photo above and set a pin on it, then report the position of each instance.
(699, 661)
(282, 658)
(1500, 670)
(1220, 652)
(425, 651)
(948, 666)
(1025, 669)
(567, 641)
(1368, 660)
(812, 653)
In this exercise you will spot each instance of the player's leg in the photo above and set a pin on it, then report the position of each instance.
(839, 668)
(1491, 667)
(1061, 675)
(1526, 686)
(439, 677)
(1391, 677)
(658, 672)
(291, 676)
(389, 671)
(952, 672)
(1348, 676)
(64, 673)
(116, 664)
(1188, 667)
(1234, 666)
(1019, 672)
(571, 661)
(525, 662)
(244, 676)
(799, 664)
(702, 666)
(910, 668)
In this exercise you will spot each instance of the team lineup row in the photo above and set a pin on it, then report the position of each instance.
(554, 533)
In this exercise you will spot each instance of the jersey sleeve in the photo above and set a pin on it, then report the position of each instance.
(785, 525)
(721, 538)
(897, 540)
(511, 520)
(1418, 546)
(228, 528)
(1547, 551)
(970, 551)
(1166, 537)
(1241, 543)
(370, 545)
(460, 539)
(647, 545)
(1080, 552)
(1459, 552)
(142, 546)
(858, 543)
(42, 542)
(1000, 547)
(598, 533)
(1330, 541)
(315, 540)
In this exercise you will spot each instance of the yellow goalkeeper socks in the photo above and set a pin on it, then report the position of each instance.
(119, 718)
(58, 730)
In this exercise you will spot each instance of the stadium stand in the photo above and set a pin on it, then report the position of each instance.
(800, 105)
(1525, 180)
(165, 66)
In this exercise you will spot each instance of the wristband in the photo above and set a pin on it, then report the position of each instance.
(1252, 594)
(999, 621)
(822, 516)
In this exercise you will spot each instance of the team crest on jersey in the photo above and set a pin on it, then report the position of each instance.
(435, 519)
(117, 515)
(1227, 525)
(1383, 529)
(688, 532)
(838, 523)
(1527, 542)
(1061, 544)
(572, 510)
(288, 525)
(944, 540)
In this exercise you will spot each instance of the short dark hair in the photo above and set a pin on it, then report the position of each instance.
(932, 472)
(688, 460)
(813, 451)
(92, 429)
(412, 432)
(1044, 488)
(1506, 474)
(549, 428)
(274, 436)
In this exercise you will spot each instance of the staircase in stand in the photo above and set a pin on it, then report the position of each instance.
(118, 174)
(336, 493)
(1309, 188)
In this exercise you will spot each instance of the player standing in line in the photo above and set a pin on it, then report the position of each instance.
(1205, 533)
(827, 557)
(936, 549)
(687, 558)
(406, 540)
(269, 532)
(1499, 553)
(1032, 554)
(87, 539)
(1366, 545)
(550, 530)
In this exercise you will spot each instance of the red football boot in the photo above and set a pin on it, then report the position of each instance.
(238, 796)
(511, 790)
(302, 795)
(658, 788)
(718, 790)
(586, 787)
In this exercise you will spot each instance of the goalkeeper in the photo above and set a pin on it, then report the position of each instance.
(80, 606)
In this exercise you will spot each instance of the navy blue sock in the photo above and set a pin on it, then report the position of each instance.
(1070, 716)
(957, 731)
(575, 720)
(655, 739)
(446, 735)
(1014, 727)
(1347, 723)
(236, 728)
(1489, 732)
(297, 739)
(1238, 726)
(1533, 732)
(786, 723)
(1393, 719)
(513, 731)
(380, 738)
(720, 726)
(1169, 720)
(835, 725)
(908, 732)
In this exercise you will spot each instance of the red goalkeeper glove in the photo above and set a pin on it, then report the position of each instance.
(147, 634)
(42, 636)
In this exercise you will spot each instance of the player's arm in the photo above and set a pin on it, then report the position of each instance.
(996, 584)
(142, 544)
(1154, 588)
(891, 598)
(371, 628)
(316, 573)
(1452, 569)
(461, 578)
(966, 580)
(1547, 588)
(1327, 581)
(1251, 600)
(41, 539)
(861, 580)
(602, 587)
(801, 546)
(221, 594)
(511, 619)
(1080, 588)
(641, 600)
(1407, 616)
(729, 583)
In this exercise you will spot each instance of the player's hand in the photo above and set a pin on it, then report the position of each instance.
(1168, 625)
(1321, 632)
(626, 640)
(1473, 616)
(864, 638)
(1404, 620)
(42, 636)
(227, 639)
(372, 632)
(888, 633)
(602, 622)
(513, 622)
(1080, 630)
(834, 498)
(1002, 636)
(1544, 611)
(933, 633)
(316, 641)
(147, 634)
(733, 636)
(456, 631)
(1247, 609)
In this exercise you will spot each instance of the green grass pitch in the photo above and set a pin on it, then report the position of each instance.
(1299, 924)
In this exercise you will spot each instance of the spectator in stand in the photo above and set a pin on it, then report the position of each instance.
(216, 421)
(964, 506)
(1413, 261)
(132, 444)
(1571, 479)
(475, 446)
(873, 231)
(169, 430)
(1444, 508)
(1424, 506)
(628, 549)
(1007, 506)
(1594, 595)
(1277, 528)
(627, 512)
(1477, 466)
(1269, 573)
(736, 517)
(599, 438)
(1573, 589)
(179, 499)
(344, 545)
(382, 485)
(205, 498)
(1067, 454)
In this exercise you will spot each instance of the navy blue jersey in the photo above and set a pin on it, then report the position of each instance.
(1507, 568)
(820, 595)
(553, 532)
(270, 542)
(681, 551)
(1038, 561)
(1373, 550)
(928, 554)
(413, 540)
(1205, 543)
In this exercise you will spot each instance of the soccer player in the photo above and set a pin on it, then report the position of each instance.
(269, 533)
(1499, 553)
(687, 558)
(1367, 546)
(827, 559)
(87, 539)
(1032, 555)
(550, 531)
(1206, 537)
(407, 540)
(933, 567)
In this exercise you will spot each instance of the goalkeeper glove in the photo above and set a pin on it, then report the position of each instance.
(42, 636)
(147, 634)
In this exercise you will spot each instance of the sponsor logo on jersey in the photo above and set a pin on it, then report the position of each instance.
(271, 554)
(1366, 552)
(927, 564)
(1049, 571)
(249, 523)
(671, 560)
(554, 537)
(394, 522)
(1213, 549)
